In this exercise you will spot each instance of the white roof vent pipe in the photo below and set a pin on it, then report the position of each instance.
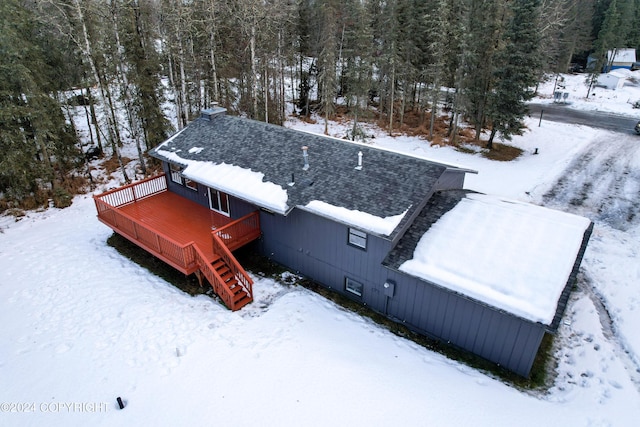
(359, 167)
(305, 155)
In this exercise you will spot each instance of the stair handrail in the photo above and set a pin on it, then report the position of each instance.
(213, 277)
(236, 269)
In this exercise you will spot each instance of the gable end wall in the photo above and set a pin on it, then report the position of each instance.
(495, 335)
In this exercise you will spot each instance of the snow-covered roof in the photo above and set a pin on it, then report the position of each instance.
(244, 183)
(617, 74)
(383, 226)
(264, 164)
(625, 56)
(511, 255)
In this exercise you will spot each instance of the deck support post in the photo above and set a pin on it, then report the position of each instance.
(199, 277)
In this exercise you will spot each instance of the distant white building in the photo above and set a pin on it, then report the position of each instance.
(612, 80)
(620, 58)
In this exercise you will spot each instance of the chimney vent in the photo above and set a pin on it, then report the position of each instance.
(211, 113)
(359, 167)
(305, 155)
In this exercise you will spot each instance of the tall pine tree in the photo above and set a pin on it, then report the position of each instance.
(517, 72)
(37, 148)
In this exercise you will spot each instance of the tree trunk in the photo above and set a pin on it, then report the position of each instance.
(183, 85)
(124, 88)
(214, 71)
(265, 85)
(490, 142)
(94, 119)
(176, 92)
(435, 96)
(392, 95)
(106, 102)
(88, 117)
(254, 71)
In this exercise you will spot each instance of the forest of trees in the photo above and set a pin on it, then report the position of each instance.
(134, 64)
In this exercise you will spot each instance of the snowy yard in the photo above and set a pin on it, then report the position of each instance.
(83, 325)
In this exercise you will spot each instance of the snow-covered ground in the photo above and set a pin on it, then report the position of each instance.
(83, 325)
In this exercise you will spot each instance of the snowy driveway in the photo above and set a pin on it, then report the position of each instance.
(603, 183)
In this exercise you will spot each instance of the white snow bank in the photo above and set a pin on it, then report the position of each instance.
(363, 220)
(240, 182)
(510, 255)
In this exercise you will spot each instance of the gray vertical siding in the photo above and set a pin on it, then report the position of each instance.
(494, 335)
(450, 179)
(317, 248)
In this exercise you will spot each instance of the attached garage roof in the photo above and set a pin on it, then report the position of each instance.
(511, 255)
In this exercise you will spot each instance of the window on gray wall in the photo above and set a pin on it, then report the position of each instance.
(219, 201)
(352, 286)
(176, 173)
(191, 184)
(357, 238)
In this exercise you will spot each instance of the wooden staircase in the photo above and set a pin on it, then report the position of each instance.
(226, 276)
(146, 213)
(241, 297)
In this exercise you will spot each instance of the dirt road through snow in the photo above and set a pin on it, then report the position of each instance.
(603, 183)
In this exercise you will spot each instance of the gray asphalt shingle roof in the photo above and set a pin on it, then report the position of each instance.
(388, 184)
(438, 205)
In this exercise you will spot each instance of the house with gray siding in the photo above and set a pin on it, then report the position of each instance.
(363, 222)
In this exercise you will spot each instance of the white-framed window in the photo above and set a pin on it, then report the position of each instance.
(357, 238)
(191, 184)
(176, 173)
(219, 201)
(352, 286)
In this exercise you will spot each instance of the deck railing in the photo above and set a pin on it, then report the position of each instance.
(236, 270)
(176, 254)
(239, 232)
(133, 192)
(187, 257)
(213, 278)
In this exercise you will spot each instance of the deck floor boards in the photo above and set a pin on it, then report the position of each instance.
(178, 218)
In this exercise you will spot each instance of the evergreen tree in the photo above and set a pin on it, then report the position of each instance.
(37, 148)
(144, 73)
(516, 74)
(633, 38)
(327, 63)
(484, 38)
(438, 33)
(358, 59)
(606, 40)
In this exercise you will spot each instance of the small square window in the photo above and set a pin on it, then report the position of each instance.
(352, 286)
(191, 184)
(357, 238)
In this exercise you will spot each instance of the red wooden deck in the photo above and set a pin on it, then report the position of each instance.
(179, 219)
(186, 235)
